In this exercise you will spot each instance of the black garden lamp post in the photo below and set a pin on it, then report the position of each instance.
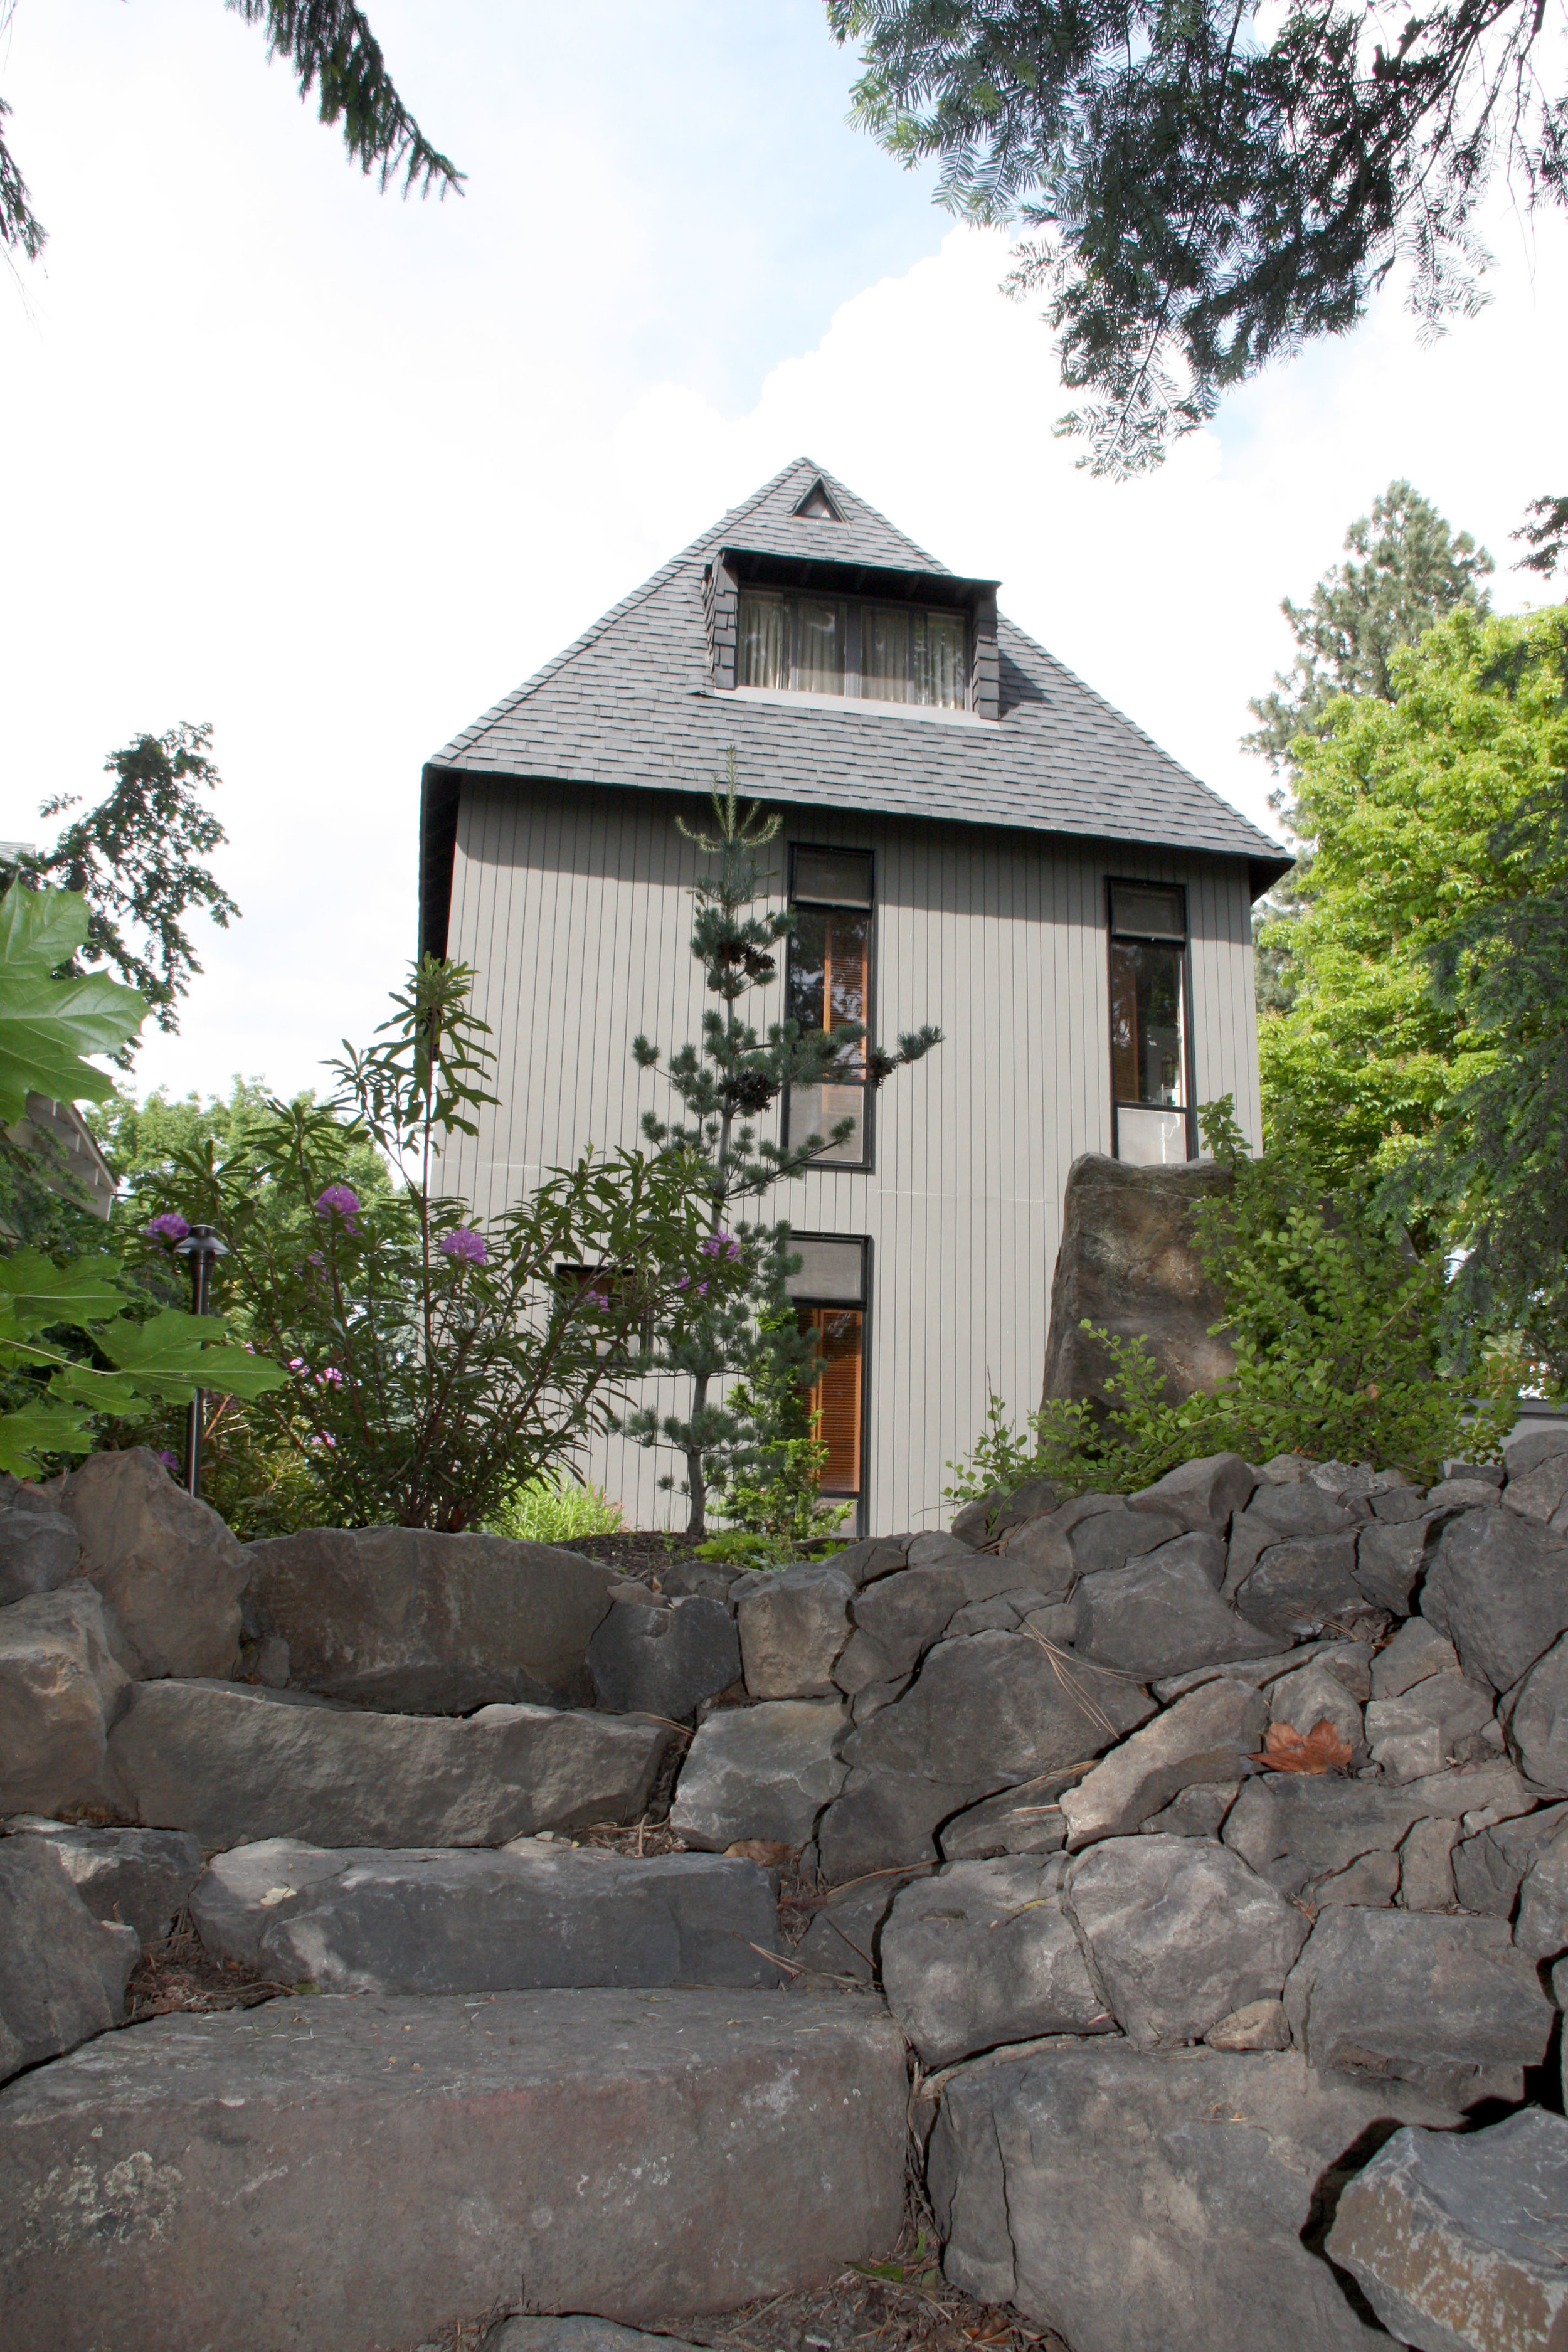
(203, 1248)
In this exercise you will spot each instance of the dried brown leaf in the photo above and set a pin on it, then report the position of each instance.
(1322, 1749)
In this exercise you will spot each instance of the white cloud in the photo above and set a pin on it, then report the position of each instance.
(336, 472)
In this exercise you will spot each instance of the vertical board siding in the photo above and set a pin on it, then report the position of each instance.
(573, 908)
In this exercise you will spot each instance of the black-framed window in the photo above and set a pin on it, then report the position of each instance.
(831, 1293)
(799, 643)
(827, 982)
(610, 1288)
(1151, 1059)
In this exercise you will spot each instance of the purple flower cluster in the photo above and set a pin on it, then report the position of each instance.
(464, 1243)
(338, 1201)
(171, 1462)
(171, 1227)
(721, 1245)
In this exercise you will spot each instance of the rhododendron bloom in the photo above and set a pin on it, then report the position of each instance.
(464, 1243)
(171, 1227)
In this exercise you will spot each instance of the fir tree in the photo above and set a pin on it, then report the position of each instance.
(726, 1085)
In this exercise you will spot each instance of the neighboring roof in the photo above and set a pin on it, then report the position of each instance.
(631, 704)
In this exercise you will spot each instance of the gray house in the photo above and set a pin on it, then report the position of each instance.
(972, 838)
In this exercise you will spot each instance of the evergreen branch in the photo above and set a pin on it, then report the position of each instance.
(331, 48)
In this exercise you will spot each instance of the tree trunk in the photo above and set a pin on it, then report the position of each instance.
(696, 1485)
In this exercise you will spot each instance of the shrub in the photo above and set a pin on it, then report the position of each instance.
(552, 1511)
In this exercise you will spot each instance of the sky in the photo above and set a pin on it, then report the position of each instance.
(334, 471)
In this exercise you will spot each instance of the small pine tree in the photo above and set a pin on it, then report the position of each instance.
(726, 1085)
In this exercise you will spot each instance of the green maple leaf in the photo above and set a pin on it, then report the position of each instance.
(47, 1025)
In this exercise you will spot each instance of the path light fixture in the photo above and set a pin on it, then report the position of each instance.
(203, 1248)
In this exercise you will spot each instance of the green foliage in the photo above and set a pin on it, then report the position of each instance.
(1409, 803)
(77, 1342)
(1545, 537)
(1415, 571)
(435, 1366)
(770, 1486)
(1338, 1332)
(1205, 188)
(553, 1510)
(137, 855)
(332, 50)
(1492, 1175)
(746, 1329)
(47, 1025)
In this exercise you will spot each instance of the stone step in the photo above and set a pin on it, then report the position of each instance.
(531, 1915)
(324, 2172)
(232, 1763)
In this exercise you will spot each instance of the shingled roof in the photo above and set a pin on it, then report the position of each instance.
(632, 704)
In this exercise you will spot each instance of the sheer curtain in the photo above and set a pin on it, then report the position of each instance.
(764, 641)
(823, 625)
(885, 654)
(940, 660)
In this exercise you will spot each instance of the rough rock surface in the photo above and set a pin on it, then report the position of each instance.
(1300, 1586)
(845, 1936)
(1436, 1722)
(1206, 1736)
(1459, 2242)
(640, 2153)
(1274, 1513)
(62, 1972)
(759, 1772)
(1538, 1720)
(1180, 1933)
(61, 1688)
(982, 1954)
(431, 1921)
(884, 1820)
(1446, 2004)
(1162, 1615)
(429, 1624)
(1416, 1651)
(1025, 1820)
(1498, 1587)
(165, 1562)
(995, 1709)
(792, 1628)
(138, 1878)
(233, 1765)
(577, 2335)
(1315, 1694)
(1150, 2203)
(1127, 1263)
(1202, 1492)
(1392, 1559)
(39, 1550)
(646, 1658)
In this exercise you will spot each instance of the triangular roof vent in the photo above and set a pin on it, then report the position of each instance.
(817, 505)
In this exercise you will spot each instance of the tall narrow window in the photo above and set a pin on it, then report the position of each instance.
(830, 1304)
(829, 984)
(1149, 1024)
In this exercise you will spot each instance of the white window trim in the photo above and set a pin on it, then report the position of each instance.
(856, 705)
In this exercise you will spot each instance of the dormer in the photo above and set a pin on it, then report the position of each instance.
(817, 504)
(829, 631)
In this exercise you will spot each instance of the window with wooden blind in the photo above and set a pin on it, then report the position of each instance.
(831, 1301)
(828, 983)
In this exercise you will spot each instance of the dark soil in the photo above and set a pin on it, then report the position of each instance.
(181, 1974)
(637, 1550)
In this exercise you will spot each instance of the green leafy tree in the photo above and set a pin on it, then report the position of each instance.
(335, 55)
(1204, 189)
(771, 1487)
(435, 1366)
(1493, 1173)
(137, 855)
(77, 1341)
(1410, 804)
(1413, 570)
(1545, 537)
(725, 1084)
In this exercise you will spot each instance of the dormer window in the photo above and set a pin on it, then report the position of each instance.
(817, 505)
(802, 644)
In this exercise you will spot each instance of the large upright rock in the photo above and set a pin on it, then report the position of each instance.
(332, 2171)
(1498, 1587)
(1127, 1263)
(62, 1972)
(1459, 2242)
(234, 1764)
(532, 1915)
(430, 1625)
(61, 1687)
(1143, 2202)
(165, 1562)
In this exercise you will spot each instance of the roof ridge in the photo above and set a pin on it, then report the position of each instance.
(468, 736)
